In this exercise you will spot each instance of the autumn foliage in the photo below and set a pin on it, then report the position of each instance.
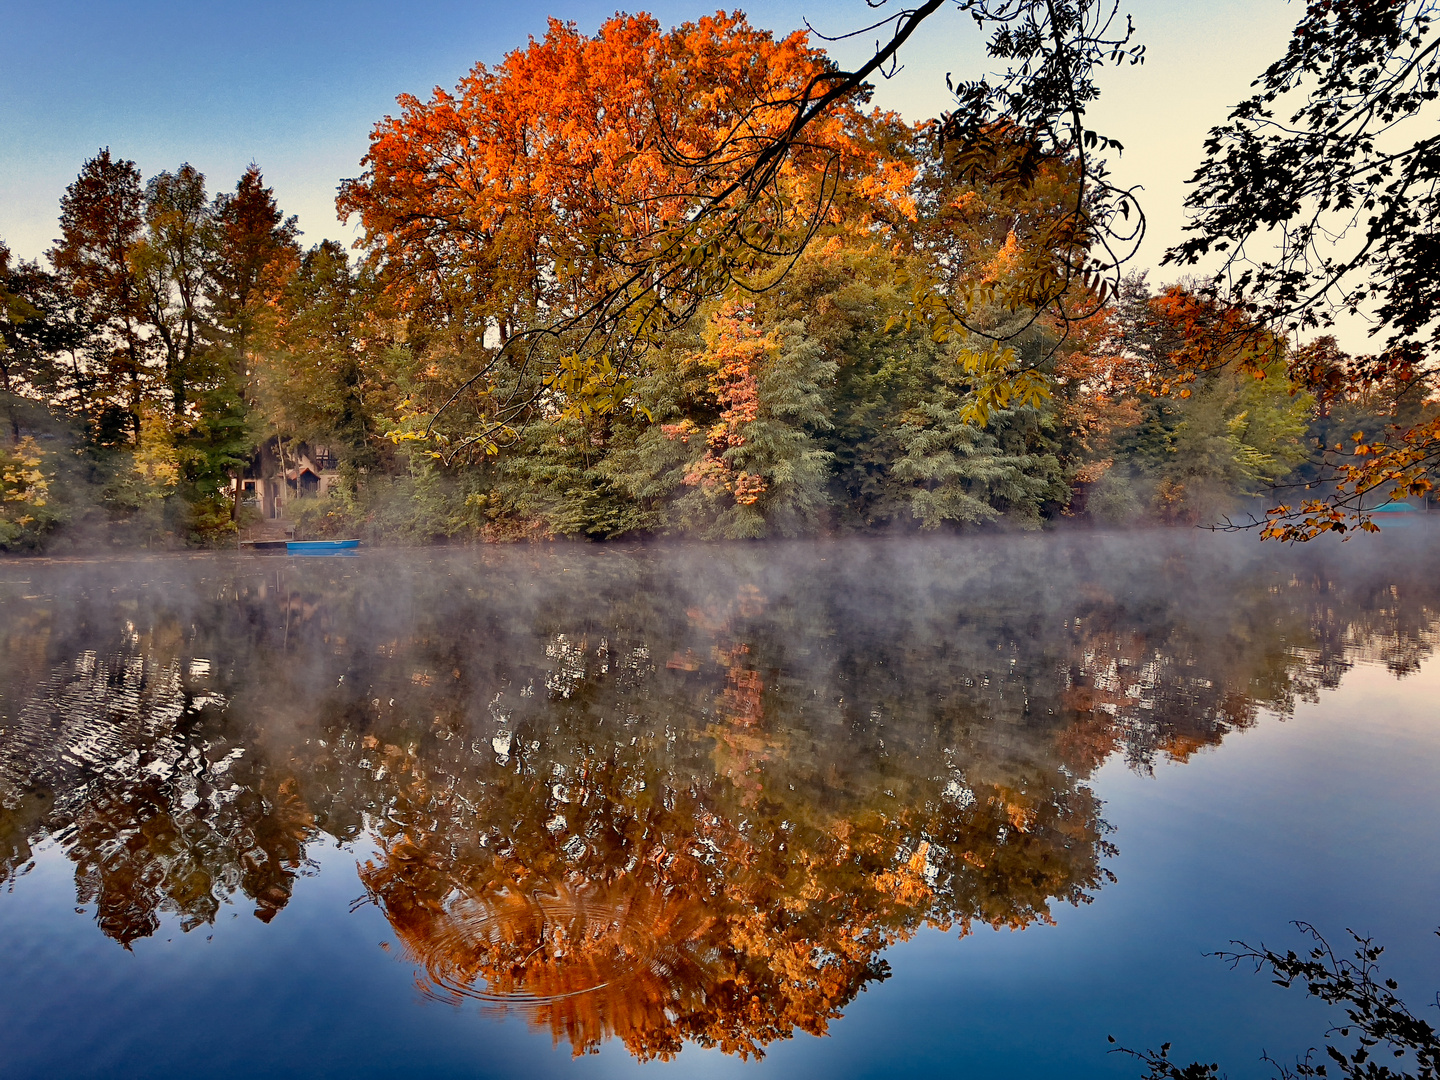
(536, 185)
(574, 311)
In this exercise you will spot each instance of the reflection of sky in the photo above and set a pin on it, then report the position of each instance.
(1332, 816)
(296, 87)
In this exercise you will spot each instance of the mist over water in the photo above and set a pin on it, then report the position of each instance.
(634, 802)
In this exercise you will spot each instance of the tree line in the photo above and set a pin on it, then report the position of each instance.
(872, 344)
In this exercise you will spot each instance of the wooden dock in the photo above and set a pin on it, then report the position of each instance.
(270, 535)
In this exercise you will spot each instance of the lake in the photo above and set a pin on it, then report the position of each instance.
(952, 807)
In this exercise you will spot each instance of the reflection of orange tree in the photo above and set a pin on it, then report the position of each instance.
(1176, 685)
(725, 885)
(593, 959)
(708, 816)
(683, 910)
(740, 752)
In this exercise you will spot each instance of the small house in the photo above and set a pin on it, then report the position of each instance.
(282, 471)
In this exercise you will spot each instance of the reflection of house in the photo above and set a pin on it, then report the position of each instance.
(280, 472)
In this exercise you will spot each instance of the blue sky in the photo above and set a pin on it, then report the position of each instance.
(296, 86)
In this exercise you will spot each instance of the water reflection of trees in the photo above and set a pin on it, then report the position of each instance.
(661, 796)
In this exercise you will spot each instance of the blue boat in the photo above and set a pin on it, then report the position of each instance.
(1392, 515)
(321, 547)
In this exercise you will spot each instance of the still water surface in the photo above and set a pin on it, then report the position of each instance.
(949, 808)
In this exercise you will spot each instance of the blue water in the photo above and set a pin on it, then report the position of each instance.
(1325, 810)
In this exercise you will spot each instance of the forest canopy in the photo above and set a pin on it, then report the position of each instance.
(592, 298)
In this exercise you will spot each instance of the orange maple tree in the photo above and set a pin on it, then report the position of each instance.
(580, 166)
